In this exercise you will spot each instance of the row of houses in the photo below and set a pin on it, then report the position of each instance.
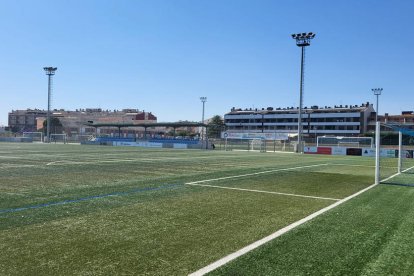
(347, 120)
(77, 123)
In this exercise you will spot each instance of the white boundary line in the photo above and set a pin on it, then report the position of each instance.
(94, 161)
(410, 168)
(250, 174)
(266, 192)
(350, 165)
(70, 162)
(394, 175)
(276, 234)
(8, 166)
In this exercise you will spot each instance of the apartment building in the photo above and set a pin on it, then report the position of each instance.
(347, 120)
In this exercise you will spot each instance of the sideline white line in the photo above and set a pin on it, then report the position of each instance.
(276, 234)
(8, 166)
(350, 165)
(250, 174)
(160, 159)
(260, 191)
(394, 175)
(410, 168)
(69, 162)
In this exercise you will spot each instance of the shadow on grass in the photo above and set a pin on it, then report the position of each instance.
(397, 184)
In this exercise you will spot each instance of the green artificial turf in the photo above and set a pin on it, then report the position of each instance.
(89, 210)
(370, 235)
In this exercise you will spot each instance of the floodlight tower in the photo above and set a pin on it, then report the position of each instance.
(302, 40)
(377, 92)
(50, 71)
(203, 100)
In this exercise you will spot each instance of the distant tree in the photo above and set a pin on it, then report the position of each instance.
(15, 129)
(170, 133)
(55, 126)
(215, 127)
(182, 133)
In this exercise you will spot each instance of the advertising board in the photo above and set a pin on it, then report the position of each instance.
(324, 150)
(354, 151)
(255, 135)
(310, 150)
(388, 153)
(368, 152)
(138, 144)
(179, 146)
(338, 151)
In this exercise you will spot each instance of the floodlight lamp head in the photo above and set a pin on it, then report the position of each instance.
(303, 39)
(310, 35)
(203, 99)
(377, 91)
(50, 70)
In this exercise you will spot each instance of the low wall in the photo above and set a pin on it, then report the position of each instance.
(356, 151)
(146, 144)
(17, 139)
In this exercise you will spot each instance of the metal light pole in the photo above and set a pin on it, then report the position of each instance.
(50, 71)
(377, 92)
(262, 122)
(203, 100)
(302, 40)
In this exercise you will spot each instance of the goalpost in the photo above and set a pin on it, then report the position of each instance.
(58, 138)
(257, 145)
(334, 141)
(394, 151)
(36, 136)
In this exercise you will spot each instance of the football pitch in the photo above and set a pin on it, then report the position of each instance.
(96, 210)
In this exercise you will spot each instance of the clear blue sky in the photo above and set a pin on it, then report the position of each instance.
(162, 55)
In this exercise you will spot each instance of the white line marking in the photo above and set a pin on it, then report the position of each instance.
(73, 162)
(388, 178)
(406, 170)
(11, 157)
(350, 165)
(259, 191)
(250, 174)
(69, 162)
(8, 166)
(394, 175)
(54, 162)
(278, 233)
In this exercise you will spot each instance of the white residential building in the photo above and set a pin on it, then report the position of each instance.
(339, 120)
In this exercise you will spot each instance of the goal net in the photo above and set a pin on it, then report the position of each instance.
(340, 141)
(257, 145)
(36, 136)
(394, 152)
(245, 144)
(58, 138)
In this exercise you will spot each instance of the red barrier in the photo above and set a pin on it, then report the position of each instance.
(324, 150)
